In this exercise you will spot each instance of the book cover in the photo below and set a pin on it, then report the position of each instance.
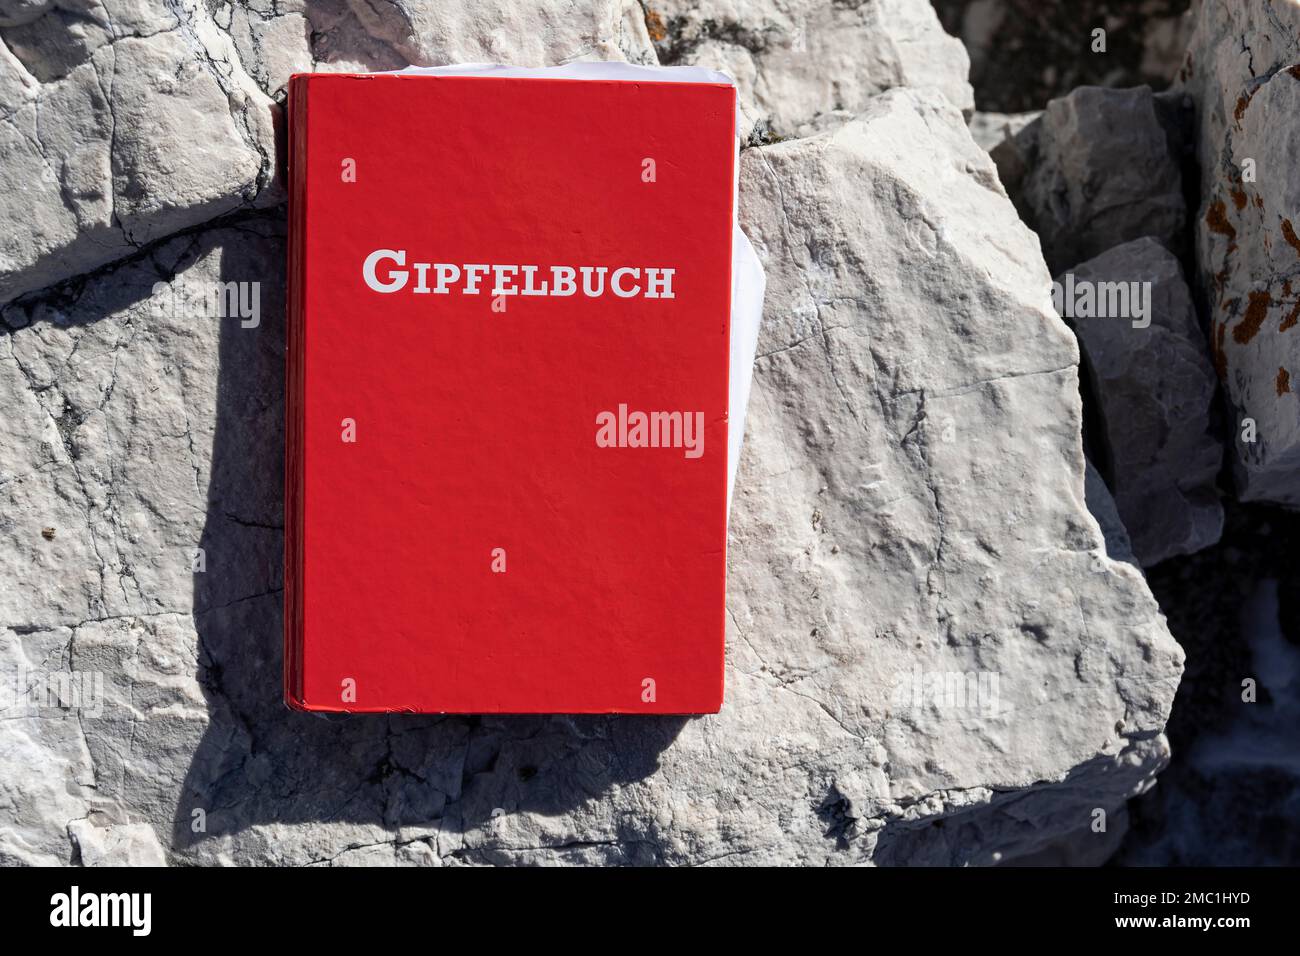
(507, 394)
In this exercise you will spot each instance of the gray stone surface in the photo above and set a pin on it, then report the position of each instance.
(1098, 170)
(524, 34)
(796, 61)
(1014, 154)
(1243, 71)
(887, 402)
(125, 121)
(1155, 387)
(866, 561)
(990, 130)
(116, 844)
(1101, 504)
(276, 38)
(931, 656)
(116, 131)
(140, 428)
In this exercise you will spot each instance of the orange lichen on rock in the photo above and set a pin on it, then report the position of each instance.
(1243, 101)
(1283, 381)
(1239, 198)
(1217, 352)
(1216, 217)
(1293, 316)
(1253, 320)
(655, 26)
(1288, 233)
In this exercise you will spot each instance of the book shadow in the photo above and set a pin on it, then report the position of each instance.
(259, 763)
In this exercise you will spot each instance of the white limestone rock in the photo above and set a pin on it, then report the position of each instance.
(1155, 388)
(1243, 71)
(910, 509)
(149, 128)
(990, 130)
(1101, 504)
(109, 486)
(911, 373)
(47, 777)
(276, 38)
(438, 32)
(796, 60)
(124, 122)
(123, 844)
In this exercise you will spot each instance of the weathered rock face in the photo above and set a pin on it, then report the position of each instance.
(990, 130)
(1095, 170)
(113, 478)
(123, 844)
(1101, 504)
(1012, 140)
(1243, 71)
(932, 657)
(117, 140)
(1026, 52)
(908, 354)
(524, 34)
(796, 61)
(276, 38)
(121, 124)
(924, 623)
(1155, 387)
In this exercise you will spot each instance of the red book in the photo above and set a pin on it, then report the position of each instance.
(507, 393)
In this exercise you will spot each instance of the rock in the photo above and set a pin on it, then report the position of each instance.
(887, 405)
(990, 130)
(910, 510)
(114, 416)
(1155, 388)
(46, 775)
(795, 61)
(123, 844)
(1248, 229)
(108, 382)
(1101, 505)
(1015, 154)
(1025, 52)
(438, 32)
(276, 38)
(160, 118)
(139, 139)
(1096, 169)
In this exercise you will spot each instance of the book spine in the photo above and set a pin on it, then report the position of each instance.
(294, 407)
